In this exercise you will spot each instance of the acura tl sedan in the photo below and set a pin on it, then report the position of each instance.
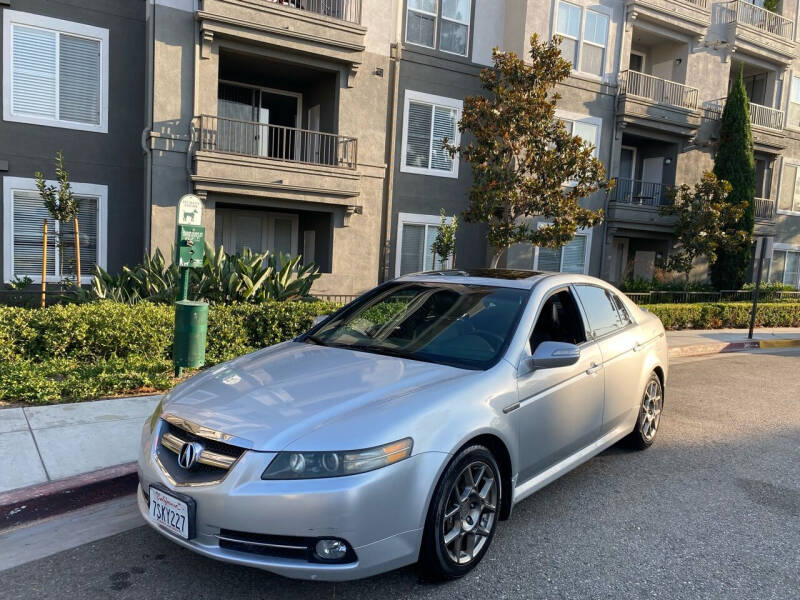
(403, 427)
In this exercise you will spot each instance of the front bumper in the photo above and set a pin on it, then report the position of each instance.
(380, 514)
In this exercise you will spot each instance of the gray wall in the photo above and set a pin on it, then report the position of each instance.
(114, 158)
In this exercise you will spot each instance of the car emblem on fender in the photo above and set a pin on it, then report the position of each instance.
(189, 454)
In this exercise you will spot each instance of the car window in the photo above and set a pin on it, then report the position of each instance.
(600, 310)
(559, 321)
(624, 315)
(462, 325)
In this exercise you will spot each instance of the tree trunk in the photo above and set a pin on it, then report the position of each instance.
(77, 253)
(496, 258)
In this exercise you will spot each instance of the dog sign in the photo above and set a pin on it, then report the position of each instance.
(190, 210)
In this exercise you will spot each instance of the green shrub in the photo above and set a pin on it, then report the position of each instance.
(724, 315)
(83, 351)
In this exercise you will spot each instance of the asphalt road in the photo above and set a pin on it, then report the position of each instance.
(712, 510)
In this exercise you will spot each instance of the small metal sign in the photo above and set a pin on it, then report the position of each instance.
(190, 210)
(191, 246)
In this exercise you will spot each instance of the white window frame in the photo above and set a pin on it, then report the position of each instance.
(417, 219)
(469, 29)
(786, 248)
(442, 101)
(13, 17)
(606, 12)
(12, 184)
(588, 119)
(787, 162)
(435, 16)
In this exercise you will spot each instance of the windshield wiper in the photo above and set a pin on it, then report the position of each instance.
(312, 339)
(374, 349)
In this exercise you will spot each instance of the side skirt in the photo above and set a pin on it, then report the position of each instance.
(525, 489)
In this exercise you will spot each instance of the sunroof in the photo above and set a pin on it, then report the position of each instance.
(488, 273)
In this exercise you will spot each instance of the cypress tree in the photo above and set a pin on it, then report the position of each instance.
(735, 163)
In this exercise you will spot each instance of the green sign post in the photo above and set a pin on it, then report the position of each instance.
(191, 317)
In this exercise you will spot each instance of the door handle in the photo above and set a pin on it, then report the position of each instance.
(637, 347)
(593, 369)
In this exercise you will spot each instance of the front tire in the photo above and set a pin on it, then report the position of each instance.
(644, 434)
(462, 516)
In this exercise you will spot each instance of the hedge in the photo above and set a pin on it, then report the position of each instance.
(83, 351)
(719, 315)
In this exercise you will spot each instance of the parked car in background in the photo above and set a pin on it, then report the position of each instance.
(404, 427)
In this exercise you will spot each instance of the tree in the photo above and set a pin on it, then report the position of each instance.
(700, 229)
(524, 161)
(734, 163)
(62, 204)
(444, 246)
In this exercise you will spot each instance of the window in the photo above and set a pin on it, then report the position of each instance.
(588, 128)
(571, 258)
(585, 34)
(789, 196)
(416, 233)
(23, 217)
(421, 24)
(600, 310)
(785, 267)
(258, 231)
(54, 72)
(559, 321)
(428, 121)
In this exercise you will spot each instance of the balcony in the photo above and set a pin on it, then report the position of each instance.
(650, 101)
(635, 204)
(245, 157)
(687, 16)
(760, 32)
(765, 209)
(328, 29)
(767, 123)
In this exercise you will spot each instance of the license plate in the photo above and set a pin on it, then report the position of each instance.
(174, 514)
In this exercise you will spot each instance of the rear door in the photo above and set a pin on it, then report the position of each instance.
(615, 334)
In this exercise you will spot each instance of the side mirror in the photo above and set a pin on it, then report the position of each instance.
(318, 319)
(549, 355)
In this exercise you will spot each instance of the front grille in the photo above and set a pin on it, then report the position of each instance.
(212, 464)
(281, 546)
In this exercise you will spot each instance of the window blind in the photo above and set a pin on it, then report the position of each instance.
(79, 79)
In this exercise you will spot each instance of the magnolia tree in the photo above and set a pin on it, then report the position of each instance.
(524, 161)
(702, 214)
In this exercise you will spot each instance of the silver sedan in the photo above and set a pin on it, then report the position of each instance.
(404, 427)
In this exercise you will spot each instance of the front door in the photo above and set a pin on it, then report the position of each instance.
(561, 409)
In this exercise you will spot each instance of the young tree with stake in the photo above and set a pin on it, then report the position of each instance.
(524, 162)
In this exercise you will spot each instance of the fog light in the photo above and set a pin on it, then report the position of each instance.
(331, 549)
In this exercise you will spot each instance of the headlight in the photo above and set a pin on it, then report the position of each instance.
(311, 465)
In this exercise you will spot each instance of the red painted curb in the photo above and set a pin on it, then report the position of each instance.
(48, 499)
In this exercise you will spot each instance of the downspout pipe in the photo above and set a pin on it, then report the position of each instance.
(145, 138)
(394, 58)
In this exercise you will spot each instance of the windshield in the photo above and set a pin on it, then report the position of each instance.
(466, 326)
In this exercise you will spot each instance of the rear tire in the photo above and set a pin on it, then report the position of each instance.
(462, 517)
(644, 433)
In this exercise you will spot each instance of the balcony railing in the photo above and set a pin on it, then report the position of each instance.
(661, 91)
(760, 116)
(640, 193)
(746, 13)
(765, 209)
(344, 10)
(288, 144)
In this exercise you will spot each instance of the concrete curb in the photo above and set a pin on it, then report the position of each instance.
(720, 347)
(36, 502)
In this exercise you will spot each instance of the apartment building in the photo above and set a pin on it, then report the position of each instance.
(73, 80)
(314, 127)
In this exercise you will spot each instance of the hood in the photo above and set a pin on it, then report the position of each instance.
(275, 395)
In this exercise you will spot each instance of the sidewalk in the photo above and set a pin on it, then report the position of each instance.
(40, 444)
(696, 342)
(66, 453)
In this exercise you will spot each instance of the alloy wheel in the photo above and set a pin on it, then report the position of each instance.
(469, 513)
(651, 409)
